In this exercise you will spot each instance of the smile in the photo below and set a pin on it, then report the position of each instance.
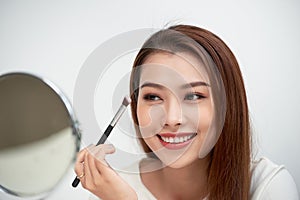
(176, 141)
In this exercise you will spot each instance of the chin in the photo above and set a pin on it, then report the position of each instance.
(177, 165)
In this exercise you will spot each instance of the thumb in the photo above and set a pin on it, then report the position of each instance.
(108, 148)
(100, 151)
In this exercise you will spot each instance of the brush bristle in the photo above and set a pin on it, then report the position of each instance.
(126, 101)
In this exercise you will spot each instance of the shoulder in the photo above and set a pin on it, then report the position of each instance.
(271, 181)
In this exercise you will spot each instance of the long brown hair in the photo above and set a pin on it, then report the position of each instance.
(229, 172)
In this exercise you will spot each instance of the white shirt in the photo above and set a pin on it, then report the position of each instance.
(269, 182)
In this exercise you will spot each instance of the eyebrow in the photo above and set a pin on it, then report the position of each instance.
(185, 86)
(155, 85)
(195, 84)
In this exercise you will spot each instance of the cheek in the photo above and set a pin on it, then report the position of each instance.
(150, 119)
(205, 118)
(207, 129)
(143, 116)
(199, 117)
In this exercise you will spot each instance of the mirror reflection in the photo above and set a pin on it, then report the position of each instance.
(39, 137)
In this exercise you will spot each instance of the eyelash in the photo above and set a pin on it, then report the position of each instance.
(150, 97)
(193, 95)
(188, 97)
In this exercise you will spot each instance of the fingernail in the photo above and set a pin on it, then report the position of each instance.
(110, 147)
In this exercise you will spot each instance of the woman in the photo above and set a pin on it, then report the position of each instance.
(190, 110)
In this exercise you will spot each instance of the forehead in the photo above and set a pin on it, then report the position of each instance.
(169, 69)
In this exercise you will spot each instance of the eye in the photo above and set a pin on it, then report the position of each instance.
(193, 96)
(151, 97)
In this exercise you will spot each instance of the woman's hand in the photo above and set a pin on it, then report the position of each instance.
(98, 177)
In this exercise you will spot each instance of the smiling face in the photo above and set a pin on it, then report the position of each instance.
(175, 108)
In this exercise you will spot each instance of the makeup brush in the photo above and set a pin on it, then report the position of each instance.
(125, 103)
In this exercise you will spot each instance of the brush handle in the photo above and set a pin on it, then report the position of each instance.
(105, 135)
(75, 182)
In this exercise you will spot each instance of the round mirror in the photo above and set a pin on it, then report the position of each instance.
(39, 136)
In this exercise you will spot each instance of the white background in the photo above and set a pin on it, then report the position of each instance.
(54, 38)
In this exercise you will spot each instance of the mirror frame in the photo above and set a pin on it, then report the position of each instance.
(74, 124)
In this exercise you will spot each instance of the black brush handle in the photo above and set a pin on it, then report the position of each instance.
(101, 141)
(75, 182)
(105, 135)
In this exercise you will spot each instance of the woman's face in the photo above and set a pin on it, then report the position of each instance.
(175, 108)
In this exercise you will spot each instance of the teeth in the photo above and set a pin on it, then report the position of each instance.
(175, 140)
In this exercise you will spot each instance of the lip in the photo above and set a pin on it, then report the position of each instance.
(175, 146)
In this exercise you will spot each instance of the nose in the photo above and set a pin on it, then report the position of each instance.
(173, 114)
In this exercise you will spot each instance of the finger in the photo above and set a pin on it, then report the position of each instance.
(95, 173)
(102, 150)
(100, 154)
(91, 163)
(81, 154)
(79, 170)
(83, 175)
(79, 161)
(87, 158)
(105, 149)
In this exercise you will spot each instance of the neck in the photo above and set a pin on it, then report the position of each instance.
(189, 181)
